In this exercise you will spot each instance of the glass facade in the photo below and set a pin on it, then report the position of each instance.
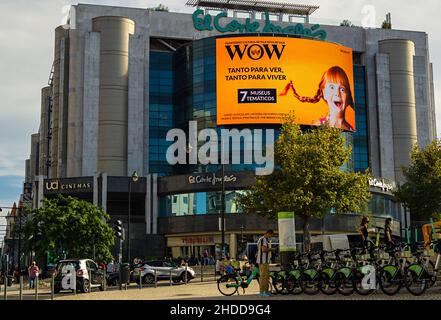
(183, 89)
(383, 206)
(197, 204)
(195, 93)
(160, 110)
(360, 137)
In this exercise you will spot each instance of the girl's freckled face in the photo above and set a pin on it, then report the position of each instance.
(335, 95)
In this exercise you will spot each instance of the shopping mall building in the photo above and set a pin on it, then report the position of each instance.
(123, 77)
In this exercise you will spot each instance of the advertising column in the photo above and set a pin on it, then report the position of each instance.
(287, 236)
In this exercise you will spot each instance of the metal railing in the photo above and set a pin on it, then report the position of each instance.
(49, 288)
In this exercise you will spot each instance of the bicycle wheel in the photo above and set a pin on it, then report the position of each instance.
(344, 282)
(358, 284)
(327, 284)
(227, 285)
(293, 285)
(278, 283)
(310, 284)
(389, 280)
(431, 271)
(416, 279)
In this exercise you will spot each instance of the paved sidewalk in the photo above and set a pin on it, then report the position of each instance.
(206, 291)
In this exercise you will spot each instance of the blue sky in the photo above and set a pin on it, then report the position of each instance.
(27, 35)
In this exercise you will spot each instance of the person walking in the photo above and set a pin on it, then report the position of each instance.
(110, 267)
(205, 254)
(388, 234)
(33, 272)
(364, 231)
(263, 260)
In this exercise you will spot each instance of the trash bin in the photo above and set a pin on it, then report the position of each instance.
(125, 273)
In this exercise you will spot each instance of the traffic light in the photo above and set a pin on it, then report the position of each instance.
(118, 229)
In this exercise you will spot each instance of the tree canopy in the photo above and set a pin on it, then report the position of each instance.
(69, 226)
(309, 179)
(421, 192)
(160, 7)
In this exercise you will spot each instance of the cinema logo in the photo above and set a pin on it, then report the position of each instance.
(67, 186)
(255, 51)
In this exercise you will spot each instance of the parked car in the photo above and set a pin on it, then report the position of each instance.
(113, 277)
(163, 268)
(83, 278)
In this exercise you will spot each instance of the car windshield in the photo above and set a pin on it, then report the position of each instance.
(74, 264)
(170, 264)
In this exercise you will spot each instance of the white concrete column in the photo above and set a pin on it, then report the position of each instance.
(95, 190)
(40, 196)
(135, 135)
(401, 67)
(114, 83)
(422, 98)
(385, 121)
(104, 191)
(62, 131)
(148, 205)
(91, 103)
(75, 110)
(155, 204)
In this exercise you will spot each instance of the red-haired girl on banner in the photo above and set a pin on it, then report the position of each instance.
(335, 89)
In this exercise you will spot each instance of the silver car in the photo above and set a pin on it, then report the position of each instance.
(163, 270)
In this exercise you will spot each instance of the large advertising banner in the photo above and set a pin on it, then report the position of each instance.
(262, 79)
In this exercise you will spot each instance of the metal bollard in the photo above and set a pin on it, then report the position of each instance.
(170, 278)
(21, 288)
(140, 281)
(156, 279)
(90, 280)
(104, 280)
(185, 275)
(36, 287)
(52, 286)
(120, 278)
(5, 278)
(202, 273)
(74, 279)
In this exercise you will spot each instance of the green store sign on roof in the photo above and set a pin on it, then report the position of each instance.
(206, 22)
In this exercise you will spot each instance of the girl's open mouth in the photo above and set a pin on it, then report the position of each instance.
(338, 104)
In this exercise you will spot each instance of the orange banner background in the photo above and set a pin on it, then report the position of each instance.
(301, 61)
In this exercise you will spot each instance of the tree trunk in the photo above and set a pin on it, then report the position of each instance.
(306, 235)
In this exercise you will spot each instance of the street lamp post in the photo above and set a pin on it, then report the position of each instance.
(134, 178)
(223, 209)
(20, 212)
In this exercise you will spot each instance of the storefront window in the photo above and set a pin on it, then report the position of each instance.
(198, 203)
(383, 206)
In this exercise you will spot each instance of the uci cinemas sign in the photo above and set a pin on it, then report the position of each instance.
(62, 186)
(206, 22)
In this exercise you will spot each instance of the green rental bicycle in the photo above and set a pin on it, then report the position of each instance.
(230, 283)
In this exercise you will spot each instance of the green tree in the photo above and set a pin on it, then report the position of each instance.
(347, 23)
(69, 226)
(309, 179)
(421, 192)
(160, 7)
(386, 25)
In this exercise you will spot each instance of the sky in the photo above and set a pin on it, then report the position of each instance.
(26, 56)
